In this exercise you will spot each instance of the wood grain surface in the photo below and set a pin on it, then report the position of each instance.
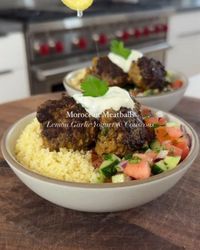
(29, 222)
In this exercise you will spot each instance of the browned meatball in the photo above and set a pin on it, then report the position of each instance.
(122, 132)
(65, 123)
(103, 68)
(148, 73)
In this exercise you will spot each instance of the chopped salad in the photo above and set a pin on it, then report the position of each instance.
(170, 146)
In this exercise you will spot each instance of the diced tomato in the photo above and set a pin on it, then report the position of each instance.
(173, 150)
(182, 143)
(151, 121)
(162, 121)
(146, 157)
(161, 134)
(174, 132)
(177, 84)
(138, 171)
(151, 154)
(185, 153)
(146, 112)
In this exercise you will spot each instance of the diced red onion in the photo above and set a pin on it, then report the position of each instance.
(123, 164)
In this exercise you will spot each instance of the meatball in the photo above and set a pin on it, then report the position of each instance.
(122, 132)
(64, 123)
(148, 73)
(103, 68)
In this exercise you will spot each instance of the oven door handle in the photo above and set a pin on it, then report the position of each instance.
(42, 75)
(156, 48)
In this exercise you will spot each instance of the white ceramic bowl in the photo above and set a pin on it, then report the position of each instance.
(166, 101)
(96, 197)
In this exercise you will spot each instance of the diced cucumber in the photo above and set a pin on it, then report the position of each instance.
(156, 146)
(128, 157)
(172, 124)
(109, 168)
(135, 160)
(158, 168)
(118, 178)
(172, 161)
(98, 177)
(168, 163)
(111, 157)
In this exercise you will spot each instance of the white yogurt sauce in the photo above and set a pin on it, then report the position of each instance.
(123, 63)
(114, 99)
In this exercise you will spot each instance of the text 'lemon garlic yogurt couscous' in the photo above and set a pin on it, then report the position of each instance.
(66, 165)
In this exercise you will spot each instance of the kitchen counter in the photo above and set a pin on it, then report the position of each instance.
(29, 222)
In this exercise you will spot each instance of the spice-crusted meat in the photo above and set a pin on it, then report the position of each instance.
(148, 73)
(65, 123)
(122, 132)
(103, 68)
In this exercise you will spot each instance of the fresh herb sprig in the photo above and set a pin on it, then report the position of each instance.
(117, 47)
(93, 86)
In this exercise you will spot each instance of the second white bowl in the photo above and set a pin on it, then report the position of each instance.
(165, 101)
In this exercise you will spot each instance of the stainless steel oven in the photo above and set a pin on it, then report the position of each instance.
(58, 42)
(58, 47)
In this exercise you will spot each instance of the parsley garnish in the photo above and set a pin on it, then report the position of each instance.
(118, 48)
(93, 86)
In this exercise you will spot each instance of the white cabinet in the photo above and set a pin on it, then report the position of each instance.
(13, 85)
(14, 82)
(184, 37)
(194, 87)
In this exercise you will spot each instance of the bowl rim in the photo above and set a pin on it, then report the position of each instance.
(11, 160)
(166, 94)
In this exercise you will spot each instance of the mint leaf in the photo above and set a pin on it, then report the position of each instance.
(118, 48)
(93, 86)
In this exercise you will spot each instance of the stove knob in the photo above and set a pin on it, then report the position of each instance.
(44, 50)
(146, 31)
(81, 43)
(157, 29)
(137, 33)
(125, 35)
(102, 39)
(165, 28)
(59, 47)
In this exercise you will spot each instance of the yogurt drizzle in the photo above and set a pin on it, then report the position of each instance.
(123, 63)
(114, 99)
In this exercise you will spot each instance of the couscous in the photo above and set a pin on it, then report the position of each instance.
(64, 165)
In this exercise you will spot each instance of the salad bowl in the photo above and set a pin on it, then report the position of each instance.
(165, 101)
(106, 197)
